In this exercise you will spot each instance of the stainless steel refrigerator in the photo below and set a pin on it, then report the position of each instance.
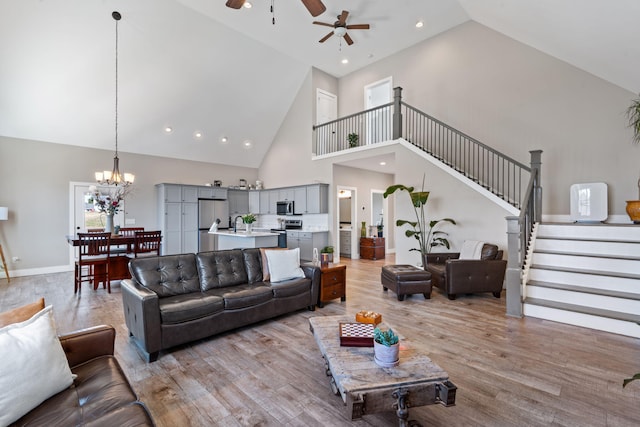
(208, 212)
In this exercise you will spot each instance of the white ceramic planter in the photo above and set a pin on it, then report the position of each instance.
(386, 357)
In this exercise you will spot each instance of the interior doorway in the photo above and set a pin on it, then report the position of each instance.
(379, 209)
(379, 121)
(347, 243)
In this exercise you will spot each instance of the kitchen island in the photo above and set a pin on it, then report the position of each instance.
(241, 239)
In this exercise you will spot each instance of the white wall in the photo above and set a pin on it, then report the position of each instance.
(515, 98)
(34, 184)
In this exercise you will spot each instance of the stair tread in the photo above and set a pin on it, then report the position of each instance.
(585, 271)
(585, 239)
(582, 254)
(584, 289)
(584, 310)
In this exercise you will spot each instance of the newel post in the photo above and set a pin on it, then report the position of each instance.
(513, 275)
(397, 112)
(536, 166)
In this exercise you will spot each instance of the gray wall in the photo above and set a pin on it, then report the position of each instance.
(34, 184)
(515, 98)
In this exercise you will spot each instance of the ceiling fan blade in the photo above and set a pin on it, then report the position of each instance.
(322, 40)
(342, 19)
(315, 7)
(358, 27)
(235, 4)
(323, 23)
(348, 39)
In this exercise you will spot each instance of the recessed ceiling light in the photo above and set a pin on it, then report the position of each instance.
(168, 129)
(247, 144)
(345, 61)
(224, 139)
(248, 5)
(383, 163)
(197, 134)
(419, 24)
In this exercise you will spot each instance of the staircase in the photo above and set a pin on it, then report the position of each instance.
(586, 275)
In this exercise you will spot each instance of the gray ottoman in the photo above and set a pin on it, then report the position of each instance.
(405, 279)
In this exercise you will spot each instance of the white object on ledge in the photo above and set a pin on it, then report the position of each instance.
(589, 202)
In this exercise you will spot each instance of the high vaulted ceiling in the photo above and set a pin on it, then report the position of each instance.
(199, 66)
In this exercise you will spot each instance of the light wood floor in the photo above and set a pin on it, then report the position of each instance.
(509, 372)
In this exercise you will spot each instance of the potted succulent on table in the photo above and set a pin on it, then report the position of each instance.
(249, 219)
(424, 232)
(329, 251)
(386, 347)
(633, 114)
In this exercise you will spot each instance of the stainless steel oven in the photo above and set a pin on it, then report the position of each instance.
(289, 224)
(284, 207)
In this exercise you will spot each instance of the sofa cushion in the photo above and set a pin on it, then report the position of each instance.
(290, 288)
(99, 393)
(34, 366)
(242, 296)
(182, 308)
(167, 275)
(489, 251)
(266, 275)
(20, 314)
(284, 265)
(219, 269)
(253, 264)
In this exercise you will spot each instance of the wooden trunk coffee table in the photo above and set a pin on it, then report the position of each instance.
(367, 388)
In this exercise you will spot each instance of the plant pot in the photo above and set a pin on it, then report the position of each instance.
(386, 357)
(633, 210)
(249, 227)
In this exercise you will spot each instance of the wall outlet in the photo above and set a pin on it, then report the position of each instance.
(15, 259)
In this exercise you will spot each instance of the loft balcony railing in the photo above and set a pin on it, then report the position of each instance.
(508, 179)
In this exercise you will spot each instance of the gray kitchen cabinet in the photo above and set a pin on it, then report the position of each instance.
(238, 202)
(178, 218)
(285, 194)
(317, 198)
(265, 207)
(345, 243)
(300, 200)
(216, 193)
(306, 241)
(254, 201)
(273, 200)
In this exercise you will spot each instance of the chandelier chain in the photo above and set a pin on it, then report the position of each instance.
(116, 88)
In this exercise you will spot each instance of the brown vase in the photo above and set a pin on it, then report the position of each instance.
(633, 210)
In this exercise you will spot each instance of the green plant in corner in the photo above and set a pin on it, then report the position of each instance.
(424, 232)
(249, 218)
(353, 139)
(386, 337)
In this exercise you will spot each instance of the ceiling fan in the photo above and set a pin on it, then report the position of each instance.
(340, 28)
(315, 7)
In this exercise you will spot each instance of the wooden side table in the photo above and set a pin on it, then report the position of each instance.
(372, 247)
(333, 283)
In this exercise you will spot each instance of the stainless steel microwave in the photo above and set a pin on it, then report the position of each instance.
(284, 208)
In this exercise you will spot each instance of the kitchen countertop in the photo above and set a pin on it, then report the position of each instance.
(244, 234)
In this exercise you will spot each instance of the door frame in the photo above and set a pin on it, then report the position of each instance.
(355, 247)
(387, 81)
(385, 215)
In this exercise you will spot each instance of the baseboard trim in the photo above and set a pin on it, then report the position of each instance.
(42, 270)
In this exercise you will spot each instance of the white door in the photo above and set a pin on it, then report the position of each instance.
(326, 111)
(378, 122)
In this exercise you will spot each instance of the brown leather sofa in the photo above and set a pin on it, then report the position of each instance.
(467, 276)
(100, 395)
(175, 299)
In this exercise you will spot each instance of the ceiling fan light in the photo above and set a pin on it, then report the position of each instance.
(340, 31)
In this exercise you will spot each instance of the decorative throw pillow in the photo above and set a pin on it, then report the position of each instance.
(284, 265)
(33, 365)
(21, 314)
(266, 275)
(471, 249)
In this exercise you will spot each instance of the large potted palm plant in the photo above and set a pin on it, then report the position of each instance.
(633, 114)
(421, 230)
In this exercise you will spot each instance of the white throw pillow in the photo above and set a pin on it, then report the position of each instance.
(33, 366)
(284, 265)
(471, 249)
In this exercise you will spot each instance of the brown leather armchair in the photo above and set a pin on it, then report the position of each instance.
(466, 276)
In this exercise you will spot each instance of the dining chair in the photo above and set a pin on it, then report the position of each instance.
(130, 231)
(93, 253)
(95, 230)
(146, 243)
(125, 232)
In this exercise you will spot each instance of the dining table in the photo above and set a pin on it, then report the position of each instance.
(118, 259)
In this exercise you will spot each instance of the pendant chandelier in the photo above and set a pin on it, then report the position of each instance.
(114, 177)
